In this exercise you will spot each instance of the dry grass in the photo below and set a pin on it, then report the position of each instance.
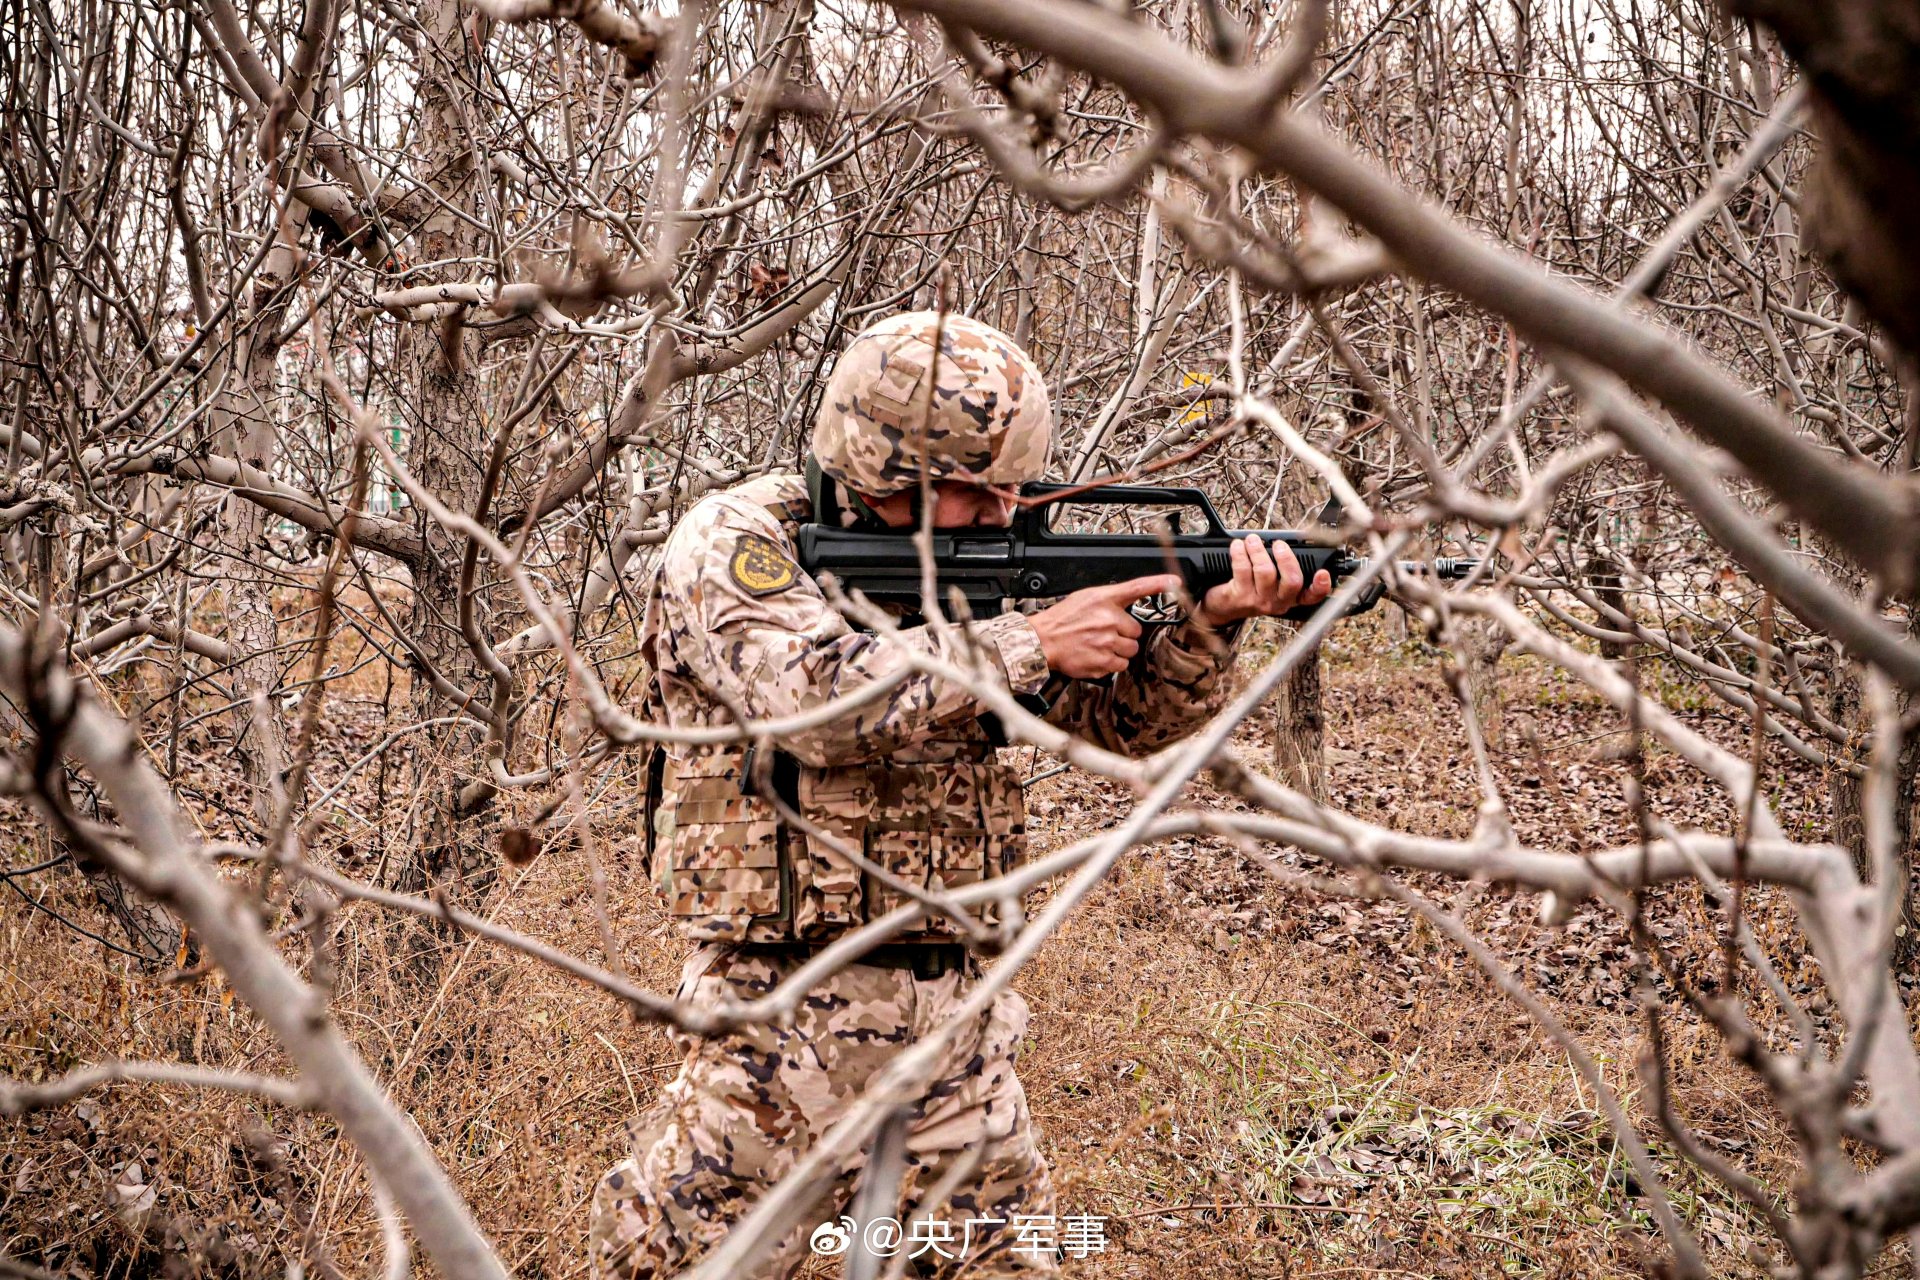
(1245, 1080)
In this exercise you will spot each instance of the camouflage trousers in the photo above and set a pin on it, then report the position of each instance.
(745, 1108)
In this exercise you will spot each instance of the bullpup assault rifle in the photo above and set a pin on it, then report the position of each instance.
(1033, 558)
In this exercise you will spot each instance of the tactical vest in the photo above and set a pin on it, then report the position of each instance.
(731, 870)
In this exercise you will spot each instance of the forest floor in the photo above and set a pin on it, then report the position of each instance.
(1243, 1078)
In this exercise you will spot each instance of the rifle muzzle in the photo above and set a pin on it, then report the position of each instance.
(1447, 568)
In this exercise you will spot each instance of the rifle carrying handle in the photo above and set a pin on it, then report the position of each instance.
(1126, 495)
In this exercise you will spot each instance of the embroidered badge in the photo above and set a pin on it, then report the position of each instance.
(759, 568)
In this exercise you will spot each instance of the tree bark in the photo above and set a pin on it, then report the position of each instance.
(1862, 60)
(444, 848)
(1300, 730)
(1604, 579)
(249, 433)
(1846, 808)
(1299, 713)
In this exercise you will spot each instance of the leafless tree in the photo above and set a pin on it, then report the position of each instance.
(359, 346)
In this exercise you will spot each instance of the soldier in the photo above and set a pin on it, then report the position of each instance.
(734, 628)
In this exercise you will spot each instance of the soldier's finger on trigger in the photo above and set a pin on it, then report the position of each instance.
(1129, 625)
(1140, 588)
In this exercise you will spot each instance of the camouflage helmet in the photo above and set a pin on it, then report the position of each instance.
(989, 419)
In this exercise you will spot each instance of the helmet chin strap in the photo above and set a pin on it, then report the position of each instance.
(826, 494)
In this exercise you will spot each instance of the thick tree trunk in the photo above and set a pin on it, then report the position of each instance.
(1482, 643)
(249, 430)
(1300, 730)
(247, 420)
(1846, 793)
(1846, 811)
(444, 848)
(1604, 580)
(1299, 717)
(1862, 60)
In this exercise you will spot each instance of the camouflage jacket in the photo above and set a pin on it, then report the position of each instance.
(733, 627)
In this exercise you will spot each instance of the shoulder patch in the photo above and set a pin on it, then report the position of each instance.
(758, 567)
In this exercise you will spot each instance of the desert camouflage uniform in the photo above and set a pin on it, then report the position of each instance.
(734, 628)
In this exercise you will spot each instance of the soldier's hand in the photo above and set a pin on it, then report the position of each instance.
(1090, 634)
(1264, 584)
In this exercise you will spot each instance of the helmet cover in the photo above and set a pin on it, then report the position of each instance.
(978, 413)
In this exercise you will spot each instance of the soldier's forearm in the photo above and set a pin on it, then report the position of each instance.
(1179, 681)
(778, 674)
